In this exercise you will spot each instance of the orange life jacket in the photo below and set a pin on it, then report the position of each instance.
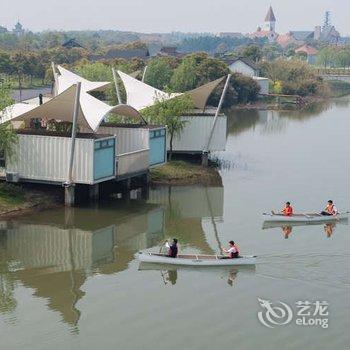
(288, 211)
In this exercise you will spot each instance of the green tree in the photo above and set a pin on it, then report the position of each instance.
(169, 112)
(246, 88)
(325, 57)
(8, 138)
(292, 77)
(160, 71)
(253, 52)
(185, 75)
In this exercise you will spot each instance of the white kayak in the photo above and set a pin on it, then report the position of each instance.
(196, 260)
(305, 218)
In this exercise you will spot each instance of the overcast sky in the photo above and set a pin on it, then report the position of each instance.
(175, 15)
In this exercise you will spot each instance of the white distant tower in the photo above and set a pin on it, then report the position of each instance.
(270, 21)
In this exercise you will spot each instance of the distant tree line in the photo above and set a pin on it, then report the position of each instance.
(178, 75)
(215, 44)
(332, 56)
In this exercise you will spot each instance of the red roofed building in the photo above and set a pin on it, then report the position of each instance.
(310, 52)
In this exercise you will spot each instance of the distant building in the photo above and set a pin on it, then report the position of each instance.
(3, 30)
(268, 29)
(309, 51)
(329, 35)
(243, 66)
(169, 51)
(69, 44)
(270, 21)
(232, 35)
(295, 37)
(248, 68)
(18, 29)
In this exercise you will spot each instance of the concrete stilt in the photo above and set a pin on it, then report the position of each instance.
(94, 191)
(205, 158)
(145, 193)
(69, 195)
(147, 178)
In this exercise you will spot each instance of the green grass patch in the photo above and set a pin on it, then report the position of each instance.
(11, 196)
(183, 173)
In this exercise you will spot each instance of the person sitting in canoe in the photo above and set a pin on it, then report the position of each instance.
(287, 210)
(233, 251)
(172, 249)
(330, 209)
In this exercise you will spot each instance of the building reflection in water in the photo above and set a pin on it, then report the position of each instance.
(55, 252)
(55, 260)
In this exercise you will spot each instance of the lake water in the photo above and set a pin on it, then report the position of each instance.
(69, 279)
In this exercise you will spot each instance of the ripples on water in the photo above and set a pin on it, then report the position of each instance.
(69, 278)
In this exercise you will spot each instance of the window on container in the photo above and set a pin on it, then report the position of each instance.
(2, 159)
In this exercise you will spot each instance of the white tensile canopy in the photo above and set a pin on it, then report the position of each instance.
(91, 110)
(66, 79)
(141, 95)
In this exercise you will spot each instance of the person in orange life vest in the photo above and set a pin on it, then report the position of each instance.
(172, 249)
(287, 210)
(330, 209)
(233, 251)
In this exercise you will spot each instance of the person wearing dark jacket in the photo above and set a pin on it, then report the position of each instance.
(172, 248)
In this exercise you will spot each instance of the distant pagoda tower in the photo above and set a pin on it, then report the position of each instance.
(270, 21)
(18, 29)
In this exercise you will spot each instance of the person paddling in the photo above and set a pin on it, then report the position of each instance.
(287, 210)
(330, 209)
(172, 249)
(233, 251)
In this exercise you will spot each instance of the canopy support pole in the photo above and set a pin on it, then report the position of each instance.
(206, 150)
(69, 185)
(144, 74)
(55, 84)
(115, 78)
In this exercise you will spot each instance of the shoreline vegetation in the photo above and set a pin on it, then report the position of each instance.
(18, 200)
(182, 173)
(336, 89)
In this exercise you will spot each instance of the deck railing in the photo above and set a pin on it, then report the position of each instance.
(133, 162)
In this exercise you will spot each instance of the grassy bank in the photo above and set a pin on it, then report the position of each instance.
(184, 173)
(15, 199)
(338, 88)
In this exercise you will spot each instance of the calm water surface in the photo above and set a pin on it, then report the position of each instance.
(69, 278)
